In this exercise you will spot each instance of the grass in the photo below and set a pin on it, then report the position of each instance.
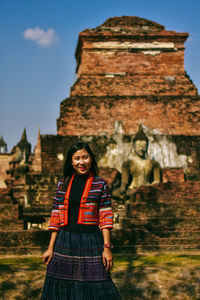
(171, 276)
(21, 278)
(170, 259)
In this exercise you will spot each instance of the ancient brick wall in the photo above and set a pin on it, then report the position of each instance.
(52, 147)
(40, 189)
(24, 242)
(173, 174)
(170, 115)
(129, 62)
(189, 146)
(127, 85)
(10, 217)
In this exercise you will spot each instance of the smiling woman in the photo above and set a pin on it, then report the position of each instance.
(81, 161)
(79, 256)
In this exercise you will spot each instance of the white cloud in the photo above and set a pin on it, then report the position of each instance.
(41, 37)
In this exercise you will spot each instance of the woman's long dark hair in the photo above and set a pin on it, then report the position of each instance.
(68, 168)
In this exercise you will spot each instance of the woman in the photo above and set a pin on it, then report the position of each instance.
(79, 255)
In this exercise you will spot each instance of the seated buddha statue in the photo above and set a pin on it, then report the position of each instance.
(141, 169)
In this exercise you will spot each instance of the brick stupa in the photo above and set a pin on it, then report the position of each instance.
(130, 70)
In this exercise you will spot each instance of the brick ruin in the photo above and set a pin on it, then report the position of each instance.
(130, 73)
(130, 70)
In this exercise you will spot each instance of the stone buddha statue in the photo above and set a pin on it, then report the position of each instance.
(141, 169)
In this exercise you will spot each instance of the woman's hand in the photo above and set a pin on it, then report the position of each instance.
(107, 258)
(47, 256)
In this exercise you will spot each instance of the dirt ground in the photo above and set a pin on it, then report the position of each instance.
(174, 276)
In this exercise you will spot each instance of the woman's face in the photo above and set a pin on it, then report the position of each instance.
(81, 162)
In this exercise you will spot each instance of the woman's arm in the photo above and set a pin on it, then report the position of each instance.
(107, 254)
(106, 224)
(47, 256)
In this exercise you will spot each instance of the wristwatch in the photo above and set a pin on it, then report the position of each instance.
(108, 245)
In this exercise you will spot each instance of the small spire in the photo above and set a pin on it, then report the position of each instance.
(24, 141)
(3, 145)
(24, 136)
(2, 142)
(24, 145)
(39, 132)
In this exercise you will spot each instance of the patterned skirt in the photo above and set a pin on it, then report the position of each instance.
(76, 271)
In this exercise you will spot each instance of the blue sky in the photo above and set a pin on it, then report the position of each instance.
(38, 42)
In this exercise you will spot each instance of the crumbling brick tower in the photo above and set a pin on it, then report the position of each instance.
(130, 70)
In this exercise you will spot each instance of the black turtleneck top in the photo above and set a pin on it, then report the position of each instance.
(76, 192)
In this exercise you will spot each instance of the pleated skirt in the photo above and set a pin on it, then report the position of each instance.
(76, 271)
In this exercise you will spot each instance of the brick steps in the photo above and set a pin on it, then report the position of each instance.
(168, 225)
(143, 240)
(20, 242)
(156, 222)
(162, 216)
(180, 213)
(167, 233)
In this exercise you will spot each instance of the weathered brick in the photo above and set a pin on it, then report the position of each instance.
(132, 73)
